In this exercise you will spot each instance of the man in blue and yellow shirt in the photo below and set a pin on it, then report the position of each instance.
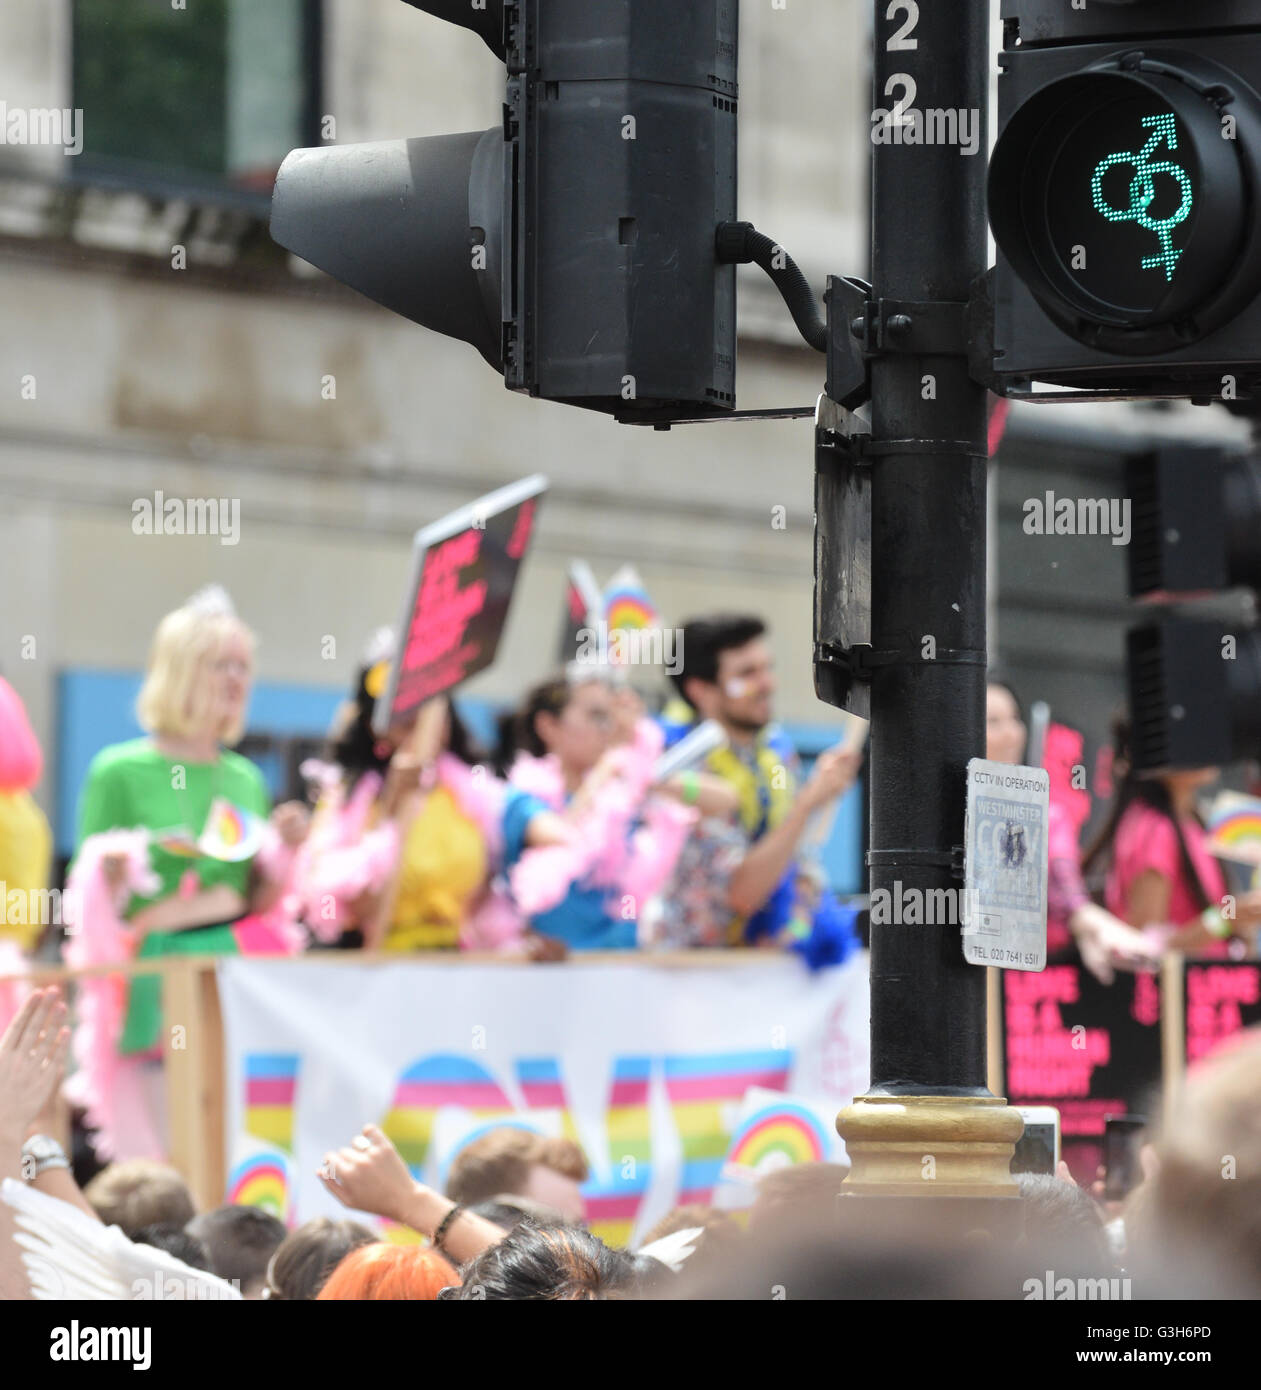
(727, 674)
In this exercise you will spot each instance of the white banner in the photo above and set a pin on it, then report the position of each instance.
(646, 1066)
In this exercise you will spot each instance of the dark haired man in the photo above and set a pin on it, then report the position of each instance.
(727, 674)
(240, 1242)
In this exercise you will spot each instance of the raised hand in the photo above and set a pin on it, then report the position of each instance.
(369, 1175)
(32, 1060)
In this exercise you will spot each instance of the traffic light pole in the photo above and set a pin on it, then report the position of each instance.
(926, 668)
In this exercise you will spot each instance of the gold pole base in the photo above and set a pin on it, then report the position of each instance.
(930, 1146)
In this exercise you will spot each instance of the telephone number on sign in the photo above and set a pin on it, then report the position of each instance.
(1002, 957)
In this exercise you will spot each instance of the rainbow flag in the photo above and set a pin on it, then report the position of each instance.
(231, 833)
(627, 606)
(1234, 828)
(772, 1131)
(260, 1177)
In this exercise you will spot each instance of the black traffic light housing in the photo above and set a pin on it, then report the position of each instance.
(1058, 21)
(1196, 522)
(1124, 193)
(1194, 680)
(574, 244)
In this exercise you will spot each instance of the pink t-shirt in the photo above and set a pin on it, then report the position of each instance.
(1146, 839)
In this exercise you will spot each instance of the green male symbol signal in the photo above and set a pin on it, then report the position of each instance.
(1142, 190)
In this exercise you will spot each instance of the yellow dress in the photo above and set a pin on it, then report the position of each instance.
(25, 860)
(443, 869)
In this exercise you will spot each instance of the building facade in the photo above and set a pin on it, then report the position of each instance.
(159, 346)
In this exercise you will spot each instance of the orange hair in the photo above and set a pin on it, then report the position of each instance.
(400, 1273)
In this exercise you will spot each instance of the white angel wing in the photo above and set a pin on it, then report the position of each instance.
(673, 1250)
(67, 1255)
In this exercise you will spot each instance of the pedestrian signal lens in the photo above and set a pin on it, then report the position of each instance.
(1121, 201)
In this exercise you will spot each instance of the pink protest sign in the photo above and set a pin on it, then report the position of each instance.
(464, 572)
(1064, 758)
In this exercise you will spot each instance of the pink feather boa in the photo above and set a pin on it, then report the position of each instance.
(340, 859)
(108, 1085)
(480, 795)
(13, 991)
(343, 859)
(21, 766)
(603, 851)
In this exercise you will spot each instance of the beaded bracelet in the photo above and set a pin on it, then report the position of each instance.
(445, 1223)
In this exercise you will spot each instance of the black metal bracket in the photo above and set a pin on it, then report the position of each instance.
(663, 420)
(865, 660)
(925, 327)
(849, 370)
(952, 859)
(842, 553)
(882, 448)
(981, 334)
(861, 328)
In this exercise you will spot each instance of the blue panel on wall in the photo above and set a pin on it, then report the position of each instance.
(94, 708)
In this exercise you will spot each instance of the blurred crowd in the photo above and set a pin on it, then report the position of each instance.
(588, 826)
(510, 1224)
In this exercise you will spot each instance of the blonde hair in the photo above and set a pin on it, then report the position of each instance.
(140, 1192)
(175, 696)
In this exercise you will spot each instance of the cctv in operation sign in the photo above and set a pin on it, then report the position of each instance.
(1008, 816)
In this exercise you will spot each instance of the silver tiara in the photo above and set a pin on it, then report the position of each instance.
(212, 602)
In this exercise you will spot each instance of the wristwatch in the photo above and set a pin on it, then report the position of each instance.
(41, 1153)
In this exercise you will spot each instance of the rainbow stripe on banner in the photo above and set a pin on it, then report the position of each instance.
(271, 1084)
(428, 1085)
(541, 1084)
(704, 1091)
(613, 1206)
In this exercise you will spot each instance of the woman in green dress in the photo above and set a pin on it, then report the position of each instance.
(217, 856)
